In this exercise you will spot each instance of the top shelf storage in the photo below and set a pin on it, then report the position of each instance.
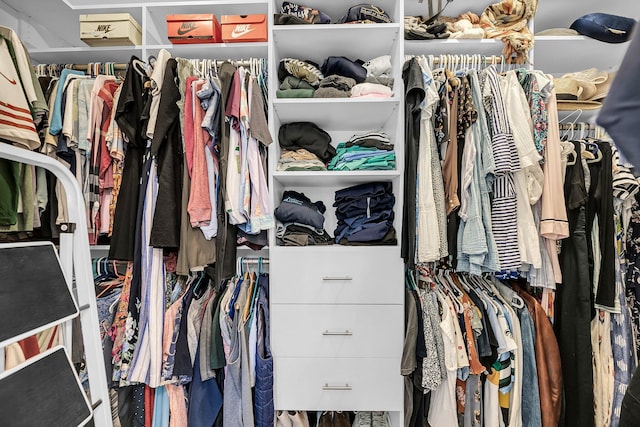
(336, 9)
(155, 26)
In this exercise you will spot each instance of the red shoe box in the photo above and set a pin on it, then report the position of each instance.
(200, 28)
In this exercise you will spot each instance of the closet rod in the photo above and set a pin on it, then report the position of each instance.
(494, 59)
(578, 126)
(82, 67)
(238, 62)
(255, 260)
(85, 67)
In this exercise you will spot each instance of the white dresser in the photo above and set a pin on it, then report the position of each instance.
(337, 322)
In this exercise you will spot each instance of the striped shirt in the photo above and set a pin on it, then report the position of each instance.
(16, 121)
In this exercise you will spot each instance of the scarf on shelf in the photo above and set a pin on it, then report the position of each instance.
(508, 20)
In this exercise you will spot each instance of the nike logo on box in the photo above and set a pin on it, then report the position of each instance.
(13, 82)
(105, 28)
(185, 28)
(241, 30)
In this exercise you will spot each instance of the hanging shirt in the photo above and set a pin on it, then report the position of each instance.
(16, 122)
(427, 235)
(504, 207)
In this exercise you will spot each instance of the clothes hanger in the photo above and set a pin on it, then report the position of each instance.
(571, 125)
(572, 157)
(409, 280)
(140, 67)
(598, 154)
(201, 284)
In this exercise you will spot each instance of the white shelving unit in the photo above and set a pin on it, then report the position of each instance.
(350, 360)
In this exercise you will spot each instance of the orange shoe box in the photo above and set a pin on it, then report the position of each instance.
(244, 28)
(201, 28)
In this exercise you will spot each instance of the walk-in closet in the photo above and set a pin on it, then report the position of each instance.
(325, 213)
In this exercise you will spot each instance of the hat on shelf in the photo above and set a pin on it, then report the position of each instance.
(604, 27)
(572, 94)
(558, 32)
(592, 76)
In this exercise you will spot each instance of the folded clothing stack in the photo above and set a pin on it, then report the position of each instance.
(365, 215)
(295, 87)
(299, 160)
(421, 28)
(298, 78)
(379, 71)
(293, 14)
(463, 26)
(365, 151)
(335, 86)
(365, 14)
(301, 221)
(295, 136)
(338, 77)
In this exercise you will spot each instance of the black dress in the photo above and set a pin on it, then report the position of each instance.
(166, 148)
(129, 116)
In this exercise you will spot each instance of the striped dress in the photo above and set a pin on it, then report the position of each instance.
(504, 205)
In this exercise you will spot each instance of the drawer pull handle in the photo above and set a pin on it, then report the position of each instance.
(337, 278)
(346, 332)
(345, 387)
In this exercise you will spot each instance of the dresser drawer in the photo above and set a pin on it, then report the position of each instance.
(338, 384)
(337, 330)
(336, 275)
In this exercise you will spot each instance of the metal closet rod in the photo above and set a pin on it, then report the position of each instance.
(493, 59)
(85, 67)
(578, 126)
(255, 260)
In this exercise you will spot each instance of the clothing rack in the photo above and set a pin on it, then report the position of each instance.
(252, 261)
(580, 126)
(49, 69)
(87, 67)
(461, 61)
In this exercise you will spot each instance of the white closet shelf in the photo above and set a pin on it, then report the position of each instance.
(565, 54)
(337, 113)
(453, 46)
(316, 42)
(83, 55)
(560, 38)
(337, 179)
(213, 50)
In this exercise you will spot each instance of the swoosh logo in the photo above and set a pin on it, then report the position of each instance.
(182, 31)
(13, 82)
(236, 34)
